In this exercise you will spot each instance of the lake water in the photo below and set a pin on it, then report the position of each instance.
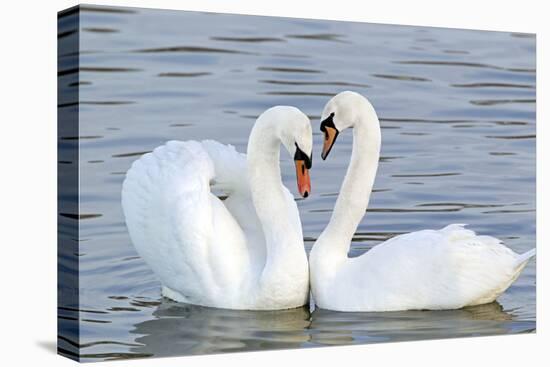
(457, 110)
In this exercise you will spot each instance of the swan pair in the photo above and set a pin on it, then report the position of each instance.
(247, 251)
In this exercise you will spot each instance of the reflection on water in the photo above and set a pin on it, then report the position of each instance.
(178, 329)
(187, 329)
(335, 328)
(457, 110)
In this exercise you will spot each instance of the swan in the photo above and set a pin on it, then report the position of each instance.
(245, 252)
(448, 268)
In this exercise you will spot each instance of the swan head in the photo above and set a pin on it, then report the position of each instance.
(343, 111)
(296, 135)
(293, 128)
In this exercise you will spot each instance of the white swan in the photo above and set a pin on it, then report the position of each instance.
(430, 269)
(246, 252)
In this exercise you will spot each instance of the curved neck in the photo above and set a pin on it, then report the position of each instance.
(356, 189)
(268, 193)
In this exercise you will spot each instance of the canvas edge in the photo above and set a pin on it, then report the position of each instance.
(68, 305)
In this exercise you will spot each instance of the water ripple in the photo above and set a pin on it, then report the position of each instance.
(64, 308)
(288, 93)
(82, 137)
(79, 83)
(96, 69)
(66, 33)
(332, 37)
(100, 30)
(492, 85)
(305, 83)
(132, 154)
(184, 75)
(192, 49)
(80, 216)
(402, 77)
(458, 52)
(248, 39)
(106, 103)
(297, 56)
(289, 70)
(464, 64)
(511, 137)
(416, 120)
(427, 174)
(492, 102)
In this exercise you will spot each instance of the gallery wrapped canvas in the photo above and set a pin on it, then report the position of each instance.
(232, 183)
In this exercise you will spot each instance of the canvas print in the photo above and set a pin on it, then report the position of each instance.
(233, 183)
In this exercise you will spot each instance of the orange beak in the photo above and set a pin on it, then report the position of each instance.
(302, 178)
(330, 138)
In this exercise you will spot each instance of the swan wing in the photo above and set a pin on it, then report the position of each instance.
(184, 232)
(230, 168)
(430, 269)
(231, 178)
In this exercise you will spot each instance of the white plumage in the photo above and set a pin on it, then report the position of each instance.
(211, 252)
(430, 269)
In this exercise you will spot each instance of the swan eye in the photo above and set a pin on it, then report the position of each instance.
(301, 156)
(328, 122)
(331, 133)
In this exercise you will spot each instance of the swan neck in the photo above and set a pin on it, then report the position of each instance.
(263, 165)
(268, 192)
(356, 189)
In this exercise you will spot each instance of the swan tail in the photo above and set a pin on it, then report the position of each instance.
(523, 258)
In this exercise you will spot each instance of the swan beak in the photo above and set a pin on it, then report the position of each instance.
(330, 137)
(302, 178)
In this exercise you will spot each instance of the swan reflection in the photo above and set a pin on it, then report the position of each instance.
(183, 329)
(338, 328)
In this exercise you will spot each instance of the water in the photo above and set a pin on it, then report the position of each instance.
(457, 110)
